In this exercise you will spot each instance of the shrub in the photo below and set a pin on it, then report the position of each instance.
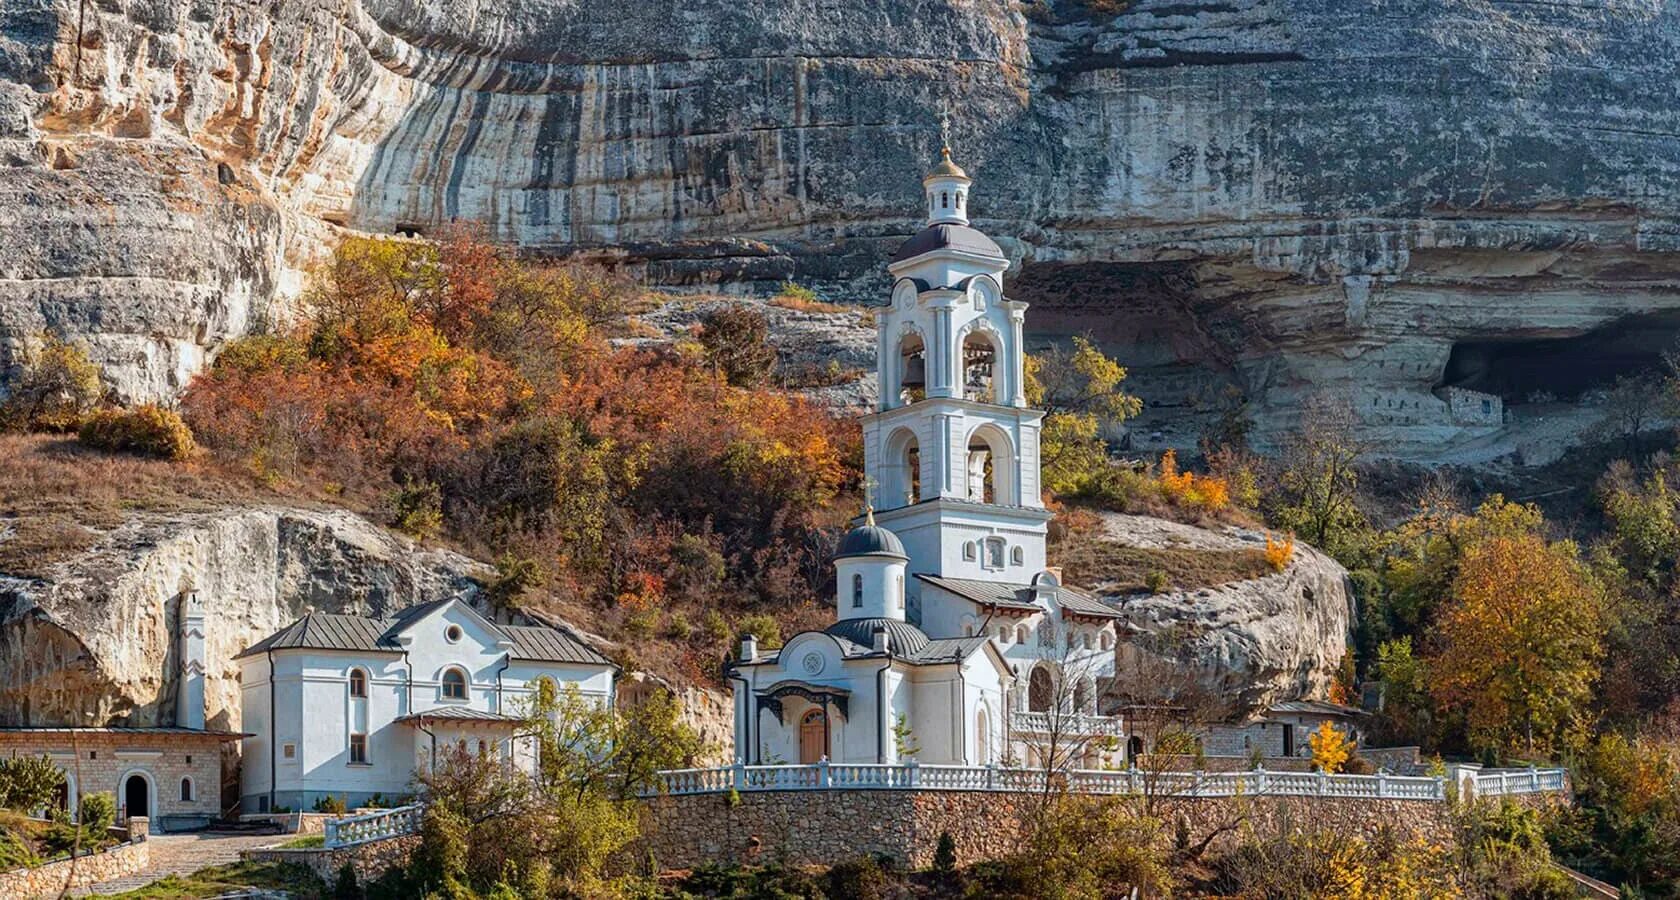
(417, 509)
(28, 783)
(945, 854)
(1155, 581)
(331, 803)
(1331, 748)
(1082, 847)
(1279, 553)
(96, 812)
(346, 888)
(763, 627)
(737, 345)
(860, 878)
(147, 430)
(56, 387)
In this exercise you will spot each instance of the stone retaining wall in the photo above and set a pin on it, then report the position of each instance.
(371, 859)
(824, 827)
(50, 880)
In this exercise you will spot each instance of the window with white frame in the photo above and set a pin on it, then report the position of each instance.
(994, 553)
(454, 684)
(358, 750)
(358, 683)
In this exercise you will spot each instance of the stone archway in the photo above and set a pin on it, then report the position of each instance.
(138, 795)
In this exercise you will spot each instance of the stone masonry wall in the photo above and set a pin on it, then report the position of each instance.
(823, 827)
(371, 859)
(50, 880)
(100, 763)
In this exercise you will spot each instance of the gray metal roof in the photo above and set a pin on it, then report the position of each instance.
(948, 650)
(168, 730)
(460, 714)
(947, 236)
(903, 638)
(331, 631)
(1020, 596)
(1315, 707)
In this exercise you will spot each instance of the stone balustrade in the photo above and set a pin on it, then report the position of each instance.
(1070, 724)
(1259, 782)
(372, 826)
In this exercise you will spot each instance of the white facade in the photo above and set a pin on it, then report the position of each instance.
(350, 707)
(952, 641)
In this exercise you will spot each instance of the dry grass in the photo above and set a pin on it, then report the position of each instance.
(55, 496)
(1118, 568)
(809, 305)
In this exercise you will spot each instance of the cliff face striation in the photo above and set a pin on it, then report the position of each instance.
(1403, 202)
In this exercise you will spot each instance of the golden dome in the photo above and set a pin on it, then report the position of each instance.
(946, 168)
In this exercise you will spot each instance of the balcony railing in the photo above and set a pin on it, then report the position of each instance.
(372, 826)
(1069, 724)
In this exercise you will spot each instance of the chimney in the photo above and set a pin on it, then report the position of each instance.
(189, 687)
(749, 648)
(880, 640)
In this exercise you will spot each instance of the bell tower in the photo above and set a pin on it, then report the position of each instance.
(952, 449)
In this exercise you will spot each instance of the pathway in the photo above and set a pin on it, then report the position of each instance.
(181, 854)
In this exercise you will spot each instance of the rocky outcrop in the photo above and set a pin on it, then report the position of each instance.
(1247, 643)
(93, 642)
(1249, 201)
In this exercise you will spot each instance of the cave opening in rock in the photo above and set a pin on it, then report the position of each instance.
(1545, 369)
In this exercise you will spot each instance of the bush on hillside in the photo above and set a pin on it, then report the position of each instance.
(54, 389)
(146, 430)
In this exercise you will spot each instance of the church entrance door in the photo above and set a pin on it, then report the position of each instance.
(813, 737)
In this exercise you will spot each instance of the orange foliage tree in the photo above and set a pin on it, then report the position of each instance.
(452, 371)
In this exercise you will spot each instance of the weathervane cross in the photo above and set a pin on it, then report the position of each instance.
(945, 125)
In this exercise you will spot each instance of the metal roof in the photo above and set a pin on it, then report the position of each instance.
(1020, 596)
(460, 714)
(167, 730)
(948, 650)
(1315, 707)
(332, 631)
(903, 638)
(947, 236)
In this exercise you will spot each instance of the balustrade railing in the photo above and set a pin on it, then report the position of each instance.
(867, 776)
(1072, 724)
(372, 826)
(1506, 782)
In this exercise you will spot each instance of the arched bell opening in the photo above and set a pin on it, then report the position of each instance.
(980, 357)
(991, 466)
(912, 369)
(901, 472)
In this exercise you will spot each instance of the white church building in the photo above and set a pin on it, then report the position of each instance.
(953, 643)
(351, 706)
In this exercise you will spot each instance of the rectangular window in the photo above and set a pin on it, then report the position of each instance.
(289, 751)
(358, 749)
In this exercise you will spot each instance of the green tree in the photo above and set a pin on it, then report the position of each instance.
(28, 783)
(1080, 392)
(1317, 494)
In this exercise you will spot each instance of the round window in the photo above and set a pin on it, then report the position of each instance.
(453, 633)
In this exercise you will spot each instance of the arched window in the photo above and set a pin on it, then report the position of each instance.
(1107, 641)
(358, 683)
(970, 552)
(979, 359)
(454, 685)
(857, 591)
(994, 553)
(186, 790)
(944, 200)
(1081, 695)
(1017, 556)
(1087, 640)
(1040, 690)
(898, 588)
(960, 197)
(991, 466)
(968, 631)
(912, 369)
(1003, 634)
(1021, 634)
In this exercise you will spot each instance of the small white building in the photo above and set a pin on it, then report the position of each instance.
(349, 706)
(953, 640)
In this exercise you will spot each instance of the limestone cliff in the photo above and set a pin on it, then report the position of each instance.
(1250, 643)
(1247, 200)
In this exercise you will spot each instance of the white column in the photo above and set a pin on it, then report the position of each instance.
(1017, 359)
(940, 357)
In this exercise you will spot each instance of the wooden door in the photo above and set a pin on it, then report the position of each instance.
(813, 737)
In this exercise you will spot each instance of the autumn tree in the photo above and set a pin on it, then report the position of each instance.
(1331, 748)
(54, 389)
(1081, 393)
(737, 344)
(1519, 643)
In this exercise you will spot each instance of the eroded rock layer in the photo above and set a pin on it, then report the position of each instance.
(1250, 200)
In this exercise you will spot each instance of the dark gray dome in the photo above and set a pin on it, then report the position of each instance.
(870, 540)
(903, 638)
(940, 237)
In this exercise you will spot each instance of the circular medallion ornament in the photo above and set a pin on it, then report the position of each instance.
(813, 663)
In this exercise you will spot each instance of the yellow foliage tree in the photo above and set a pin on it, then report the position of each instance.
(1331, 748)
(1519, 643)
(1078, 391)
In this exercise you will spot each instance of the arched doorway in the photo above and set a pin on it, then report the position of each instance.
(137, 796)
(1040, 690)
(813, 737)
